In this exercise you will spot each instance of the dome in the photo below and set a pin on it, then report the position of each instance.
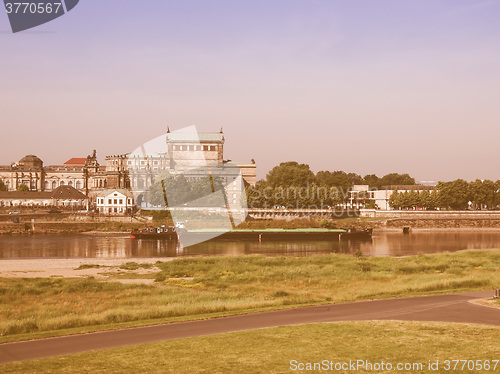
(31, 161)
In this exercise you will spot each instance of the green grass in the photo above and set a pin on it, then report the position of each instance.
(192, 288)
(272, 350)
(135, 266)
(90, 266)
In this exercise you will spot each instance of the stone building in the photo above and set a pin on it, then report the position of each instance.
(84, 174)
(193, 155)
(190, 154)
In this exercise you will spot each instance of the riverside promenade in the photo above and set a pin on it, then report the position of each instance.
(442, 308)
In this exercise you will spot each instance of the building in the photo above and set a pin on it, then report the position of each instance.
(80, 173)
(63, 197)
(115, 202)
(362, 196)
(191, 154)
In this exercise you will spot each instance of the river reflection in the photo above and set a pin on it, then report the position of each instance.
(382, 244)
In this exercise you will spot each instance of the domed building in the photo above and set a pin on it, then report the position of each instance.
(31, 161)
(30, 171)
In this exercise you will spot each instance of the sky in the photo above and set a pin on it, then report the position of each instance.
(366, 86)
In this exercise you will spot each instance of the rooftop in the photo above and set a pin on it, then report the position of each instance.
(76, 161)
(195, 137)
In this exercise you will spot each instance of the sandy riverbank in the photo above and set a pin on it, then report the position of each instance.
(66, 268)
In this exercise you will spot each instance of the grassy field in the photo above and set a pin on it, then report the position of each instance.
(279, 350)
(192, 288)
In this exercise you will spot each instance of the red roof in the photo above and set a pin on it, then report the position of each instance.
(76, 161)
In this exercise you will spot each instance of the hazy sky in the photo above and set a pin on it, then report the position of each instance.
(373, 86)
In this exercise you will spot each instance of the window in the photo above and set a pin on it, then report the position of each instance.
(205, 147)
(110, 201)
(62, 183)
(121, 202)
(114, 201)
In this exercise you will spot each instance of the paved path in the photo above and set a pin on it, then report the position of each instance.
(449, 308)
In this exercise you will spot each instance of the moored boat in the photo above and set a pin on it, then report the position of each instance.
(198, 236)
(157, 232)
(354, 233)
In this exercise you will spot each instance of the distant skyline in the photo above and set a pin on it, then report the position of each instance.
(365, 87)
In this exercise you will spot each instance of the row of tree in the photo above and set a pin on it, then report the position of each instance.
(291, 184)
(293, 174)
(457, 195)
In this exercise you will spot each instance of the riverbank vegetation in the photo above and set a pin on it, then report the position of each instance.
(192, 288)
(275, 350)
(294, 185)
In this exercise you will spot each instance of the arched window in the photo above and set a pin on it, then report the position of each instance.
(47, 185)
(78, 185)
(61, 183)
(70, 183)
(54, 185)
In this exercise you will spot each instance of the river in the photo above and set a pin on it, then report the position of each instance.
(381, 244)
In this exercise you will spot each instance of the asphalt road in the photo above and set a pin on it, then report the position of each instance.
(447, 308)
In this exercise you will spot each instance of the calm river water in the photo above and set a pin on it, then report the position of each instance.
(382, 244)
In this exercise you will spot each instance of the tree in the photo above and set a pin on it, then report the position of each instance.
(455, 195)
(372, 180)
(424, 198)
(3, 187)
(289, 174)
(338, 179)
(483, 193)
(395, 179)
(414, 200)
(23, 187)
(395, 200)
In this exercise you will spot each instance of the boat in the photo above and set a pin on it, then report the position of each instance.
(356, 234)
(260, 235)
(198, 236)
(155, 232)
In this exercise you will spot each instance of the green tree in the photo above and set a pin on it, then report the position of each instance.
(424, 197)
(433, 200)
(414, 199)
(372, 180)
(483, 193)
(289, 174)
(454, 195)
(395, 200)
(395, 179)
(405, 200)
(23, 187)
